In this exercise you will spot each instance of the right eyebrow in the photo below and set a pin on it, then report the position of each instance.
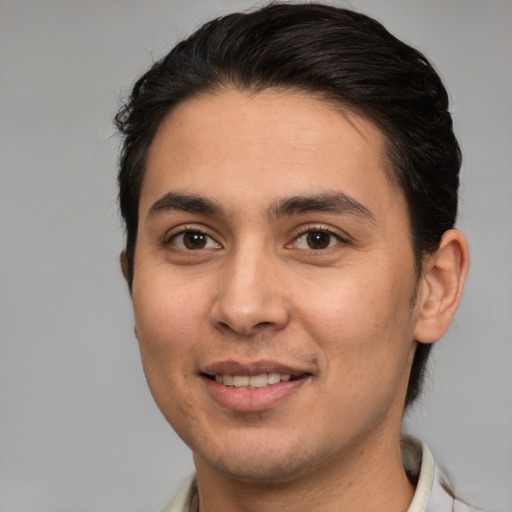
(337, 203)
(191, 203)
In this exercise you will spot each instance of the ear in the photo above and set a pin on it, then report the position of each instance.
(124, 267)
(440, 287)
(126, 273)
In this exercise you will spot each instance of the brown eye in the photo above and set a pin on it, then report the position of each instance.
(193, 241)
(318, 239)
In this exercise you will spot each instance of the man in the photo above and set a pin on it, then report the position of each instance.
(289, 186)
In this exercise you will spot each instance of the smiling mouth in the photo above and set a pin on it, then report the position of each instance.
(253, 381)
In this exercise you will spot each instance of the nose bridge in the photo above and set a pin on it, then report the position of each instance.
(249, 297)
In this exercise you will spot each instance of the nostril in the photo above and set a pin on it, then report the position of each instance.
(263, 324)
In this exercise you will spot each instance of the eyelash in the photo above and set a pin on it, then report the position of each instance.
(190, 230)
(310, 230)
(319, 229)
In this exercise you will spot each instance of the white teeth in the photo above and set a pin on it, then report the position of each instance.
(254, 381)
(274, 378)
(240, 381)
(258, 381)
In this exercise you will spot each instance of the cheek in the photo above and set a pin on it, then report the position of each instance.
(168, 319)
(362, 323)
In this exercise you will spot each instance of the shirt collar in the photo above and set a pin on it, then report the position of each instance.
(430, 495)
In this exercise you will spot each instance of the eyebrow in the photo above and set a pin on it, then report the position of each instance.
(192, 203)
(338, 203)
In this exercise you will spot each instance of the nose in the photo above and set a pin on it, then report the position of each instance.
(250, 297)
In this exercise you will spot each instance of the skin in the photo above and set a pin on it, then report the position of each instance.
(343, 313)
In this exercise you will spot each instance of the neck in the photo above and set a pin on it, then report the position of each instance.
(360, 480)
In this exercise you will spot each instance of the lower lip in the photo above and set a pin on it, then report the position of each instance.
(252, 400)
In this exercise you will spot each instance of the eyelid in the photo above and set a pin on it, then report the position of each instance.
(337, 233)
(340, 235)
(188, 228)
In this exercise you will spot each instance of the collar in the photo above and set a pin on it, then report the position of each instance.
(418, 461)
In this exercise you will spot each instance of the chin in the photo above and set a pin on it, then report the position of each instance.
(268, 472)
(262, 462)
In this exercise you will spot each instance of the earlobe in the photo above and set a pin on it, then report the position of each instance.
(440, 288)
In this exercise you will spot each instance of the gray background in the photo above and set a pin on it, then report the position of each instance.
(78, 428)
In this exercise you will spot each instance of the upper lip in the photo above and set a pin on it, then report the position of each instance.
(251, 368)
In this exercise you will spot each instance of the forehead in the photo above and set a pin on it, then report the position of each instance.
(254, 148)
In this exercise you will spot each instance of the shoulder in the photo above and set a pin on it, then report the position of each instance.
(460, 506)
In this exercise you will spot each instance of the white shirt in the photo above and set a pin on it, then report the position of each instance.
(430, 494)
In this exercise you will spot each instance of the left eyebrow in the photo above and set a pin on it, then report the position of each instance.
(191, 203)
(338, 203)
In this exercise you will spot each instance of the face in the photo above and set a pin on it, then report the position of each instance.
(274, 284)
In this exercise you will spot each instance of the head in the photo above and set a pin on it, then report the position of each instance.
(343, 58)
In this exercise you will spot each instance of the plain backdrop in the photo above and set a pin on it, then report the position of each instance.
(78, 428)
